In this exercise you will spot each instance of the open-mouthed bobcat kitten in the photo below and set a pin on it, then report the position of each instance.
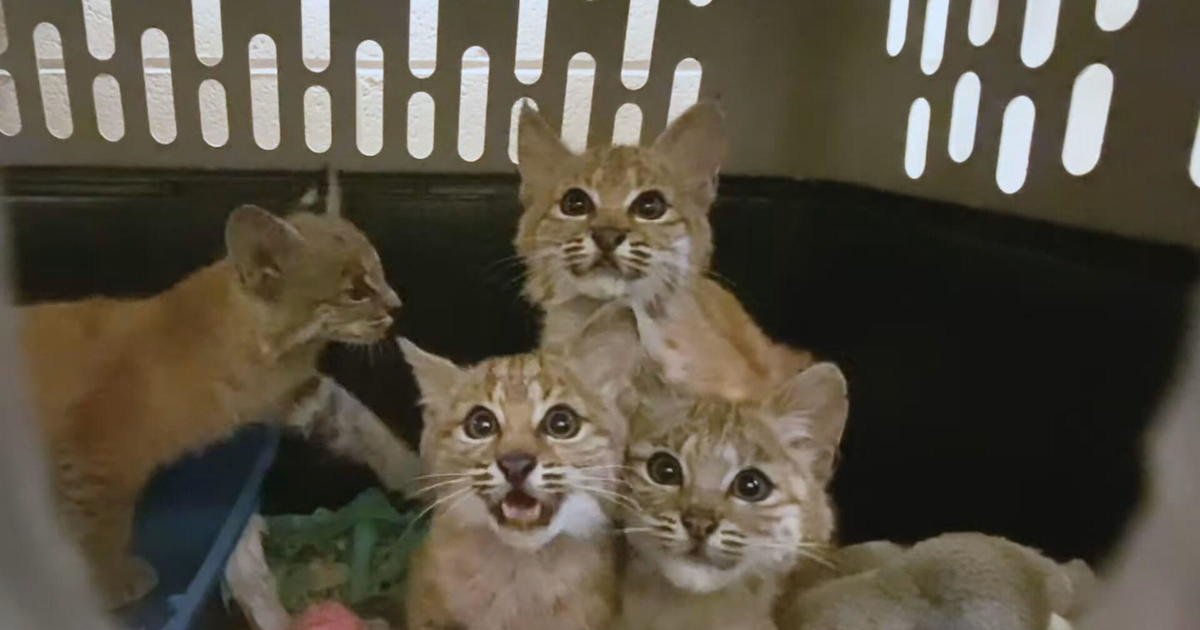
(523, 458)
(125, 386)
(727, 499)
(617, 240)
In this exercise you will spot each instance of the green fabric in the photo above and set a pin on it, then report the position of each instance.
(357, 555)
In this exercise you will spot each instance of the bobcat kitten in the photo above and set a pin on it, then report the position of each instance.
(524, 460)
(123, 387)
(617, 241)
(729, 497)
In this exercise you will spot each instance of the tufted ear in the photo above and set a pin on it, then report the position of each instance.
(695, 143)
(808, 412)
(540, 151)
(436, 376)
(260, 245)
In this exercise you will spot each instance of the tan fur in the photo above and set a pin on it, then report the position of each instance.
(730, 575)
(654, 300)
(965, 581)
(126, 386)
(479, 571)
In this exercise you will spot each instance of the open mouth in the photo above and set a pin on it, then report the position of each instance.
(520, 510)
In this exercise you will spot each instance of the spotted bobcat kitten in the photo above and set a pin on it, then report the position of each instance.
(523, 459)
(617, 241)
(123, 387)
(729, 497)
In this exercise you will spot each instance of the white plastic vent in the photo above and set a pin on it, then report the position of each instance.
(98, 28)
(577, 102)
(472, 103)
(933, 42)
(1016, 139)
(627, 124)
(10, 114)
(264, 92)
(1194, 164)
(531, 40)
(1087, 119)
(160, 95)
(422, 37)
(318, 135)
(639, 43)
(368, 97)
(206, 29)
(314, 35)
(917, 140)
(214, 113)
(420, 125)
(52, 79)
(964, 114)
(981, 24)
(897, 26)
(3, 29)
(685, 87)
(1041, 28)
(110, 119)
(1113, 15)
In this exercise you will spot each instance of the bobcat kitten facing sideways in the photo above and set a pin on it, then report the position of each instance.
(730, 497)
(523, 458)
(123, 387)
(617, 241)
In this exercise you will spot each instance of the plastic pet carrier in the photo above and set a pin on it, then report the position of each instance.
(986, 211)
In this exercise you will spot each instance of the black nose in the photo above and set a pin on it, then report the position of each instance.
(516, 466)
(608, 238)
(699, 525)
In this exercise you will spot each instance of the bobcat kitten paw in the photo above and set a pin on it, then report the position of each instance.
(131, 581)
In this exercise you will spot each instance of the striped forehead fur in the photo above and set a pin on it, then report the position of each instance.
(521, 378)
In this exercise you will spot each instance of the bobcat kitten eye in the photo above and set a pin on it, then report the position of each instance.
(649, 206)
(575, 203)
(665, 469)
(480, 423)
(751, 485)
(561, 423)
(359, 290)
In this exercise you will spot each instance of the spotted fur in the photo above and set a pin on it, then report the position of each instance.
(650, 297)
(124, 387)
(478, 569)
(709, 556)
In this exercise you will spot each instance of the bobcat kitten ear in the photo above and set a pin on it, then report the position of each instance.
(435, 376)
(695, 143)
(809, 415)
(260, 244)
(540, 152)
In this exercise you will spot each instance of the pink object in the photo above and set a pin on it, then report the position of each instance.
(329, 615)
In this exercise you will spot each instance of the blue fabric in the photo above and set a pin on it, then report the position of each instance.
(190, 519)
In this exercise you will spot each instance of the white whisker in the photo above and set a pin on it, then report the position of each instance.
(439, 475)
(615, 497)
(439, 484)
(453, 495)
